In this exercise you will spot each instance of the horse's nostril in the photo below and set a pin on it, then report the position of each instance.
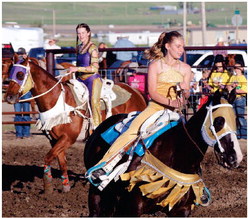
(10, 99)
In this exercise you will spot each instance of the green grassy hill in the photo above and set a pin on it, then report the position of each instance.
(118, 13)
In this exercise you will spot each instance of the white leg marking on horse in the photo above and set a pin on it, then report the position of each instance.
(237, 148)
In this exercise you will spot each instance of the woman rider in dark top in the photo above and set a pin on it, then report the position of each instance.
(87, 69)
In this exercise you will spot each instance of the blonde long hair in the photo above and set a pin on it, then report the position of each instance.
(158, 50)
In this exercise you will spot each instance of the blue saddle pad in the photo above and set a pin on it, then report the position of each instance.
(111, 134)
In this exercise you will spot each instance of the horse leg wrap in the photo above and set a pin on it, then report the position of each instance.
(47, 173)
(47, 178)
(65, 183)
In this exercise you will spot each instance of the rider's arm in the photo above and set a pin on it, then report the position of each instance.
(187, 76)
(93, 67)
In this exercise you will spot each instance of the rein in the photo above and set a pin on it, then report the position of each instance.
(37, 96)
(212, 128)
(180, 95)
(208, 115)
(192, 140)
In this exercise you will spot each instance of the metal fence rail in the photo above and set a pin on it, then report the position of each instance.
(50, 60)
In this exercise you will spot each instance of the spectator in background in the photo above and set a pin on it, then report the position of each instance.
(22, 54)
(238, 81)
(51, 44)
(204, 88)
(220, 42)
(122, 57)
(203, 82)
(22, 130)
(102, 58)
(219, 76)
(194, 95)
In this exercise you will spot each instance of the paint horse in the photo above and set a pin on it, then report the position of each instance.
(176, 185)
(48, 91)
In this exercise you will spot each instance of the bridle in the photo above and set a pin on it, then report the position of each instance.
(23, 83)
(206, 136)
(207, 139)
(210, 108)
(28, 76)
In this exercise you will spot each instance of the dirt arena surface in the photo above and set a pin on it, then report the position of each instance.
(22, 194)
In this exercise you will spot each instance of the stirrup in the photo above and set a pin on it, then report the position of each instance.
(206, 197)
(94, 173)
(100, 172)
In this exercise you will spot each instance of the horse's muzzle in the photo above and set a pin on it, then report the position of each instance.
(11, 99)
(227, 161)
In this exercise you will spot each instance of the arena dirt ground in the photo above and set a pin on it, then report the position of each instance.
(22, 185)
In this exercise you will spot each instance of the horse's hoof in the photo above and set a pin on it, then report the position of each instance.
(48, 189)
(66, 188)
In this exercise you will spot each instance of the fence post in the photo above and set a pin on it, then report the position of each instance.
(50, 62)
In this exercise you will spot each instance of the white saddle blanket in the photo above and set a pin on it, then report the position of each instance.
(80, 90)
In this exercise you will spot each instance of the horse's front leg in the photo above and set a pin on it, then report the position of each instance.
(64, 176)
(94, 201)
(57, 151)
(183, 211)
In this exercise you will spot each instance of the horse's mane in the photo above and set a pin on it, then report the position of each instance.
(35, 63)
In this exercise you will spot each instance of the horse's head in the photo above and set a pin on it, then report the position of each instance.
(219, 129)
(20, 81)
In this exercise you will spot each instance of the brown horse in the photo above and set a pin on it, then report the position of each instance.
(46, 90)
(7, 64)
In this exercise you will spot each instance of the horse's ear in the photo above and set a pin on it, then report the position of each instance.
(232, 96)
(15, 58)
(225, 94)
(217, 97)
(25, 62)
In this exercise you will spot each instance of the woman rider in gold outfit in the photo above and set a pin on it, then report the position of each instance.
(165, 71)
(87, 69)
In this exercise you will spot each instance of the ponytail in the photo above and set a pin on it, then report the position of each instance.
(155, 51)
(158, 50)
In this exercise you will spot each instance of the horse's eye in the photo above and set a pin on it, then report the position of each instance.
(219, 123)
(20, 75)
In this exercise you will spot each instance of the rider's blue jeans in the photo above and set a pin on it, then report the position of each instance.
(239, 106)
(22, 130)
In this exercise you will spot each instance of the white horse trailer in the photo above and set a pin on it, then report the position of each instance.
(138, 38)
(23, 37)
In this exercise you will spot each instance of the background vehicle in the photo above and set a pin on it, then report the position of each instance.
(67, 57)
(193, 56)
(7, 51)
(40, 53)
(23, 37)
(206, 60)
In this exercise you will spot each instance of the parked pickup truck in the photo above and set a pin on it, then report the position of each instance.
(206, 60)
